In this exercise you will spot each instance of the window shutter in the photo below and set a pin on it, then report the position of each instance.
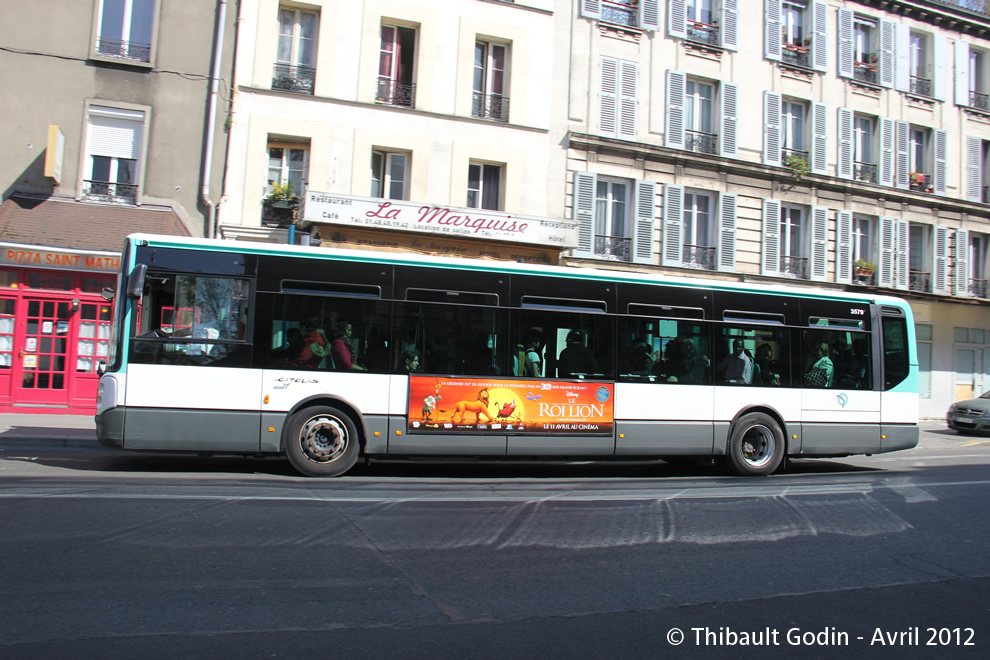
(584, 213)
(962, 72)
(940, 261)
(627, 99)
(608, 97)
(673, 135)
(962, 263)
(115, 133)
(885, 269)
(844, 168)
(591, 8)
(941, 143)
(771, 127)
(843, 249)
(677, 19)
(886, 151)
(819, 243)
(727, 212)
(846, 43)
(974, 173)
(673, 216)
(819, 38)
(771, 237)
(729, 33)
(886, 68)
(649, 15)
(901, 129)
(772, 30)
(940, 74)
(902, 279)
(645, 200)
(819, 138)
(902, 57)
(730, 114)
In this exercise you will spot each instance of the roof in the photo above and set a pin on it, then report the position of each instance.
(68, 223)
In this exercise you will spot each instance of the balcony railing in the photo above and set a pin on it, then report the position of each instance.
(702, 33)
(490, 106)
(921, 86)
(796, 267)
(979, 101)
(110, 192)
(293, 78)
(796, 56)
(977, 288)
(618, 248)
(920, 281)
(698, 256)
(794, 153)
(864, 277)
(393, 92)
(618, 14)
(279, 212)
(865, 72)
(866, 172)
(702, 143)
(125, 50)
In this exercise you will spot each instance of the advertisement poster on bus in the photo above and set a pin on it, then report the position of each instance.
(504, 405)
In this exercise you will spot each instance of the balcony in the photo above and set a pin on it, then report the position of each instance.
(701, 257)
(920, 281)
(796, 267)
(798, 56)
(291, 78)
(977, 288)
(865, 72)
(617, 248)
(702, 143)
(865, 172)
(921, 86)
(786, 153)
(110, 192)
(394, 92)
(124, 50)
(920, 182)
(702, 33)
(490, 106)
(618, 13)
(279, 212)
(979, 101)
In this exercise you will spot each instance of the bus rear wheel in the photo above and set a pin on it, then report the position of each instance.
(322, 442)
(756, 446)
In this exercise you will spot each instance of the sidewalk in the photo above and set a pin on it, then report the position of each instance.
(47, 432)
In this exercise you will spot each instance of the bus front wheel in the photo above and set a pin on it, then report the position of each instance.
(756, 446)
(322, 442)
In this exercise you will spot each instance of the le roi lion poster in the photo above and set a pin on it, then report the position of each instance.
(501, 405)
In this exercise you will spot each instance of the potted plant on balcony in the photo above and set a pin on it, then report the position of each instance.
(865, 268)
(799, 166)
(279, 207)
(282, 196)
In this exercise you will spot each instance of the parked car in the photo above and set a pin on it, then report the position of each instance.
(971, 415)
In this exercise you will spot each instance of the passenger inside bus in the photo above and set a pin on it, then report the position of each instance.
(577, 360)
(736, 367)
(343, 349)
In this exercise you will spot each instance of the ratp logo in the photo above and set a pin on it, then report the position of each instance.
(843, 399)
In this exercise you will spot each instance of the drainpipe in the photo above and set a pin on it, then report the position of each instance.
(204, 189)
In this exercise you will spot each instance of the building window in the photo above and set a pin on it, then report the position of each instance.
(864, 158)
(490, 83)
(389, 175)
(114, 145)
(702, 22)
(977, 285)
(919, 168)
(642, 14)
(921, 81)
(978, 97)
(288, 164)
(865, 50)
(698, 249)
(864, 262)
(793, 123)
(125, 28)
(919, 259)
(484, 186)
(793, 259)
(976, 167)
(699, 100)
(295, 67)
(797, 36)
(396, 64)
(612, 236)
(619, 12)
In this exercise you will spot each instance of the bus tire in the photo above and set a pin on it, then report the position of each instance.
(756, 446)
(322, 442)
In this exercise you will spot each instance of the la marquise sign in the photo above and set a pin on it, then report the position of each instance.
(325, 208)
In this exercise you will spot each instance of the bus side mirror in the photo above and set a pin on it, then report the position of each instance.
(135, 281)
(107, 293)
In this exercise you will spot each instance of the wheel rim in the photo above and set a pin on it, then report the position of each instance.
(323, 438)
(758, 446)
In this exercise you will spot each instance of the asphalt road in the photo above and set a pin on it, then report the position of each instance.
(112, 555)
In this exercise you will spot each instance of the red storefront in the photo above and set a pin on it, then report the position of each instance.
(54, 327)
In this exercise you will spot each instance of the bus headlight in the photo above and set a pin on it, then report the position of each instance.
(106, 394)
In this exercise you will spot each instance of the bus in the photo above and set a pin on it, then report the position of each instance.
(329, 357)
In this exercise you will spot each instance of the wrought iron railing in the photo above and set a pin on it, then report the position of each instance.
(698, 256)
(125, 50)
(702, 33)
(108, 191)
(865, 73)
(979, 101)
(794, 153)
(393, 92)
(920, 281)
(703, 143)
(866, 172)
(977, 288)
(490, 106)
(294, 78)
(796, 56)
(618, 248)
(618, 14)
(279, 212)
(864, 277)
(921, 86)
(796, 267)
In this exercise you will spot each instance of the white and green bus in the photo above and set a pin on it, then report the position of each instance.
(329, 357)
